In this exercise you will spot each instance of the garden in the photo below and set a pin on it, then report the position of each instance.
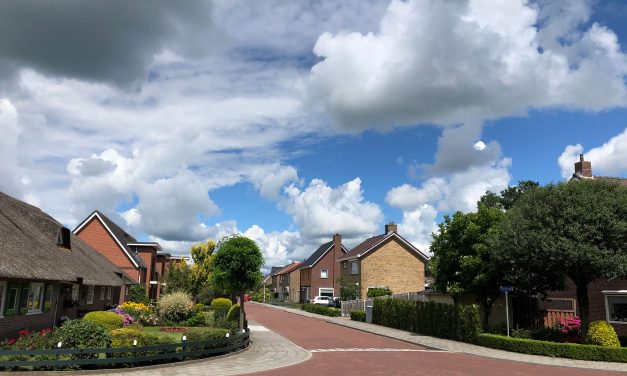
(135, 333)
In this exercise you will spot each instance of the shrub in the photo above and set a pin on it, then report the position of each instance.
(221, 306)
(206, 334)
(198, 319)
(143, 313)
(459, 322)
(358, 315)
(138, 294)
(108, 320)
(124, 338)
(126, 318)
(233, 314)
(547, 334)
(521, 333)
(570, 329)
(175, 307)
(33, 340)
(602, 334)
(81, 334)
(321, 310)
(553, 349)
(379, 291)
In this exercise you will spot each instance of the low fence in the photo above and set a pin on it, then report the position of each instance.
(56, 359)
(360, 304)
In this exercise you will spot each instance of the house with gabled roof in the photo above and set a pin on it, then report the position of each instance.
(47, 273)
(143, 262)
(289, 282)
(386, 260)
(320, 272)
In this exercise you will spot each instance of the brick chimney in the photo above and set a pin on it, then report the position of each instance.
(583, 168)
(391, 227)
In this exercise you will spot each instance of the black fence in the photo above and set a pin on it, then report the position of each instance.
(56, 359)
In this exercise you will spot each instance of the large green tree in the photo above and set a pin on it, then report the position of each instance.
(236, 267)
(462, 262)
(200, 272)
(178, 278)
(509, 196)
(576, 229)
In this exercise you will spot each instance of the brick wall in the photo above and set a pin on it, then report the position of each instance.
(394, 266)
(328, 262)
(97, 236)
(294, 278)
(149, 256)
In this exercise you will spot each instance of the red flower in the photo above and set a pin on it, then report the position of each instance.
(23, 332)
(11, 342)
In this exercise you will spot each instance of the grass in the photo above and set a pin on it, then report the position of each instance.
(155, 331)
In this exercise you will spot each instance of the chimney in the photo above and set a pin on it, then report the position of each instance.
(391, 227)
(583, 168)
(337, 242)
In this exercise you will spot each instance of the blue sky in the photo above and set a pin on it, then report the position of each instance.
(291, 121)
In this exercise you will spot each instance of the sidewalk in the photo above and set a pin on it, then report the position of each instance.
(459, 347)
(267, 351)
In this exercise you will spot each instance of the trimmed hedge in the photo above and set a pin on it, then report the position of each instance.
(221, 306)
(108, 320)
(206, 334)
(460, 323)
(554, 349)
(321, 310)
(358, 315)
(601, 333)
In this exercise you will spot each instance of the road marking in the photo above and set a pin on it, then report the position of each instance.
(356, 349)
(258, 328)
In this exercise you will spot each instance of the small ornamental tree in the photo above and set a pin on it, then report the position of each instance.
(236, 267)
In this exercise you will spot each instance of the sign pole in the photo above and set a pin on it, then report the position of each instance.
(507, 312)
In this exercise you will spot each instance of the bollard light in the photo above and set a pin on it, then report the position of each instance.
(59, 344)
(134, 342)
(227, 335)
(243, 331)
(184, 338)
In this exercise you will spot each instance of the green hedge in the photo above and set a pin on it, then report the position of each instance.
(358, 315)
(108, 320)
(460, 323)
(321, 310)
(554, 349)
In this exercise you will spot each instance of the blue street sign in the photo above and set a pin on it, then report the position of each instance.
(506, 288)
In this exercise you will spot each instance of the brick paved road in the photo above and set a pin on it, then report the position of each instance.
(343, 351)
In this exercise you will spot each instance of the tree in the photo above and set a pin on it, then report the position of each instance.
(462, 262)
(576, 229)
(178, 278)
(236, 267)
(349, 288)
(509, 196)
(202, 256)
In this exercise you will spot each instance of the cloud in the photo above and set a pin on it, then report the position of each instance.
(446, 63)
(271, 179)
(418, 225)
(10, 174)
(321, 211)
(112, 41)
(607, 159)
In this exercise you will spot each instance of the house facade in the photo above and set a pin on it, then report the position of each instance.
(320, 272)
(289, 282)
(47, 273)
(143, 262)
(386, 260)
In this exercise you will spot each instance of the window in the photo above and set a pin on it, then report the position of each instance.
(12, 300)
(90, 294)
(344, 265)
(75, 290)
(325, 292)
(35, 298)
(48, 297)
(108, 292)
(24, 295)
(616, 306)
(324, 273)
(3, 290)
(102, 293)
(354, 267)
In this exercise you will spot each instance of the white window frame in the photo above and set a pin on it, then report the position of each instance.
(90, 294)
(606, 294)
(324, 273)
(108, 292)
(3, 294)
(327, 290)
(32, 298)
(102, 293)
(75, 292)
(351, 263)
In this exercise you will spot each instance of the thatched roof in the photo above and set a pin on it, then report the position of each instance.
(29, 249)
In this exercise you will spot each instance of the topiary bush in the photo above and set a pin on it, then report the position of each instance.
(601, 333)
(175, 307)
(233, 314)
(358, 315)
(108, 320)
(221, 306)
(80, 334)
(321, 310)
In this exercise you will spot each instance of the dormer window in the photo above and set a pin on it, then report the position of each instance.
(63, 238)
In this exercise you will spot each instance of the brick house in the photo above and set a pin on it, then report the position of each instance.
(47, 273)
(143, 262)
(289, 282)
(320, 273)
(386, 260)
(608, 299)
(274, 279)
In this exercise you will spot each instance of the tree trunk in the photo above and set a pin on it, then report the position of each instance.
(485, 317)
(584, 306)
(242, 313)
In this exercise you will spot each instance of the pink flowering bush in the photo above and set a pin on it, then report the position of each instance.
(571, 329)
(128, 319)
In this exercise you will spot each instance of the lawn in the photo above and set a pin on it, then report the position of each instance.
(155, 331)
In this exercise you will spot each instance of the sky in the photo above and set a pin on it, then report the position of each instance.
(289, 122)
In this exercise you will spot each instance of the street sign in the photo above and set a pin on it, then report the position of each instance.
(506, 288)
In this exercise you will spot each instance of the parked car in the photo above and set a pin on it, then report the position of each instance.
(335, 302)
(322, 300)
(247, 298)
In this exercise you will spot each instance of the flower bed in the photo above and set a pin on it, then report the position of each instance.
(173, 330)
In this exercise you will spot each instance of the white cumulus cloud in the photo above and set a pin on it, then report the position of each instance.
(608, 159)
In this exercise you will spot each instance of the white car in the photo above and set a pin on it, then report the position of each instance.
(322, 300)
